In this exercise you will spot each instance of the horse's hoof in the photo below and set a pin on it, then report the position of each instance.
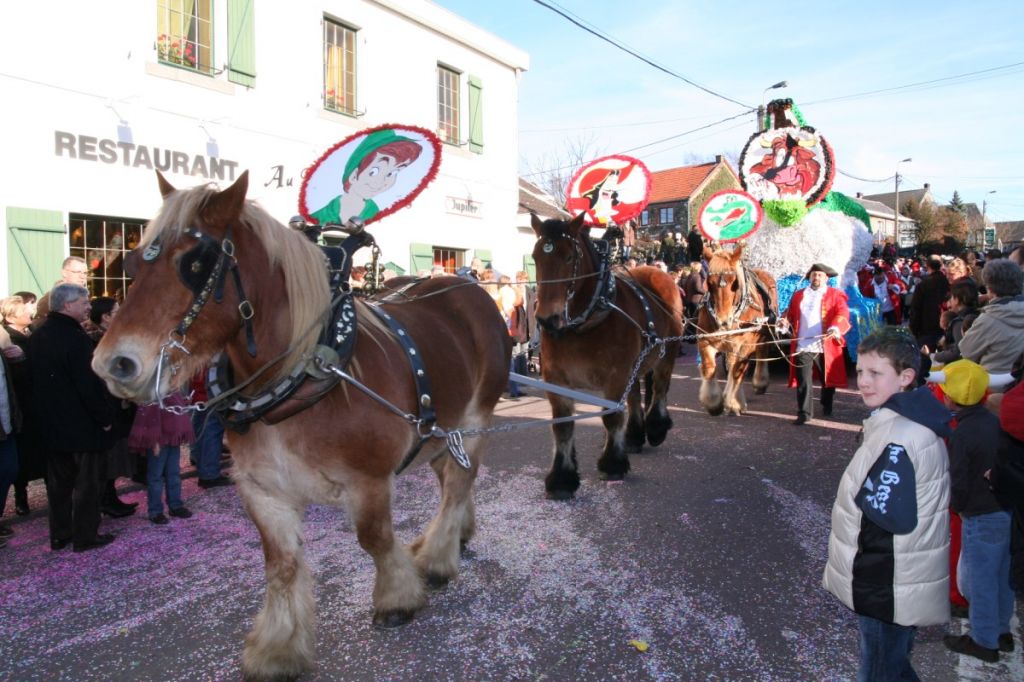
(714, 410)
(392, 619)
(561, 484)
(633, 448)
(760, 390)
(436, 581)
(611, 475)
(283, 677)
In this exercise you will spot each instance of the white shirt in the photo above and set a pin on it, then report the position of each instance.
(882, 294)
(810, 321)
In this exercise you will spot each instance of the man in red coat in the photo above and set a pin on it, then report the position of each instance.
(818, 317)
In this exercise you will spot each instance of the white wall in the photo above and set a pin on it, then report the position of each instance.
(81, 68)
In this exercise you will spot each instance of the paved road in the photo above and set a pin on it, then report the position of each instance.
(710, 552)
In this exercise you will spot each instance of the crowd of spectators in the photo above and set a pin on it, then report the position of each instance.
(59, 423)
(963, 313)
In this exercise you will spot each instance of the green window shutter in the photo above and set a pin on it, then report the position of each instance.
(476, 115)
(241, 42)
(421, 257)
(35, 249)
(530, 267)
(484, 255)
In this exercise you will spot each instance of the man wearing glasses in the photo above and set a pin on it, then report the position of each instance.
(72, 271)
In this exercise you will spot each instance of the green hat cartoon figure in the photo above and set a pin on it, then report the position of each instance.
(373, 168)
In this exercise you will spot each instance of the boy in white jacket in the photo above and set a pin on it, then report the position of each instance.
(889, 545)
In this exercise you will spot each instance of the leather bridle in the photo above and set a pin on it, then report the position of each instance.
(604, 290)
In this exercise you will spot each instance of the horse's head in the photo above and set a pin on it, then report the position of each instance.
(206, 265)
(725, 283)
(566, 263)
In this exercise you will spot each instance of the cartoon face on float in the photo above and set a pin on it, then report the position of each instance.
(609, 190)
(730, 215)
(370, 175)
(787, 163)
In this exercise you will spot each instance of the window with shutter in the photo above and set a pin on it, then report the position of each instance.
(476, 115)
(242, 42)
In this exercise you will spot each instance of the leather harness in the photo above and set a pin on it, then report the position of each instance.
(306, 384)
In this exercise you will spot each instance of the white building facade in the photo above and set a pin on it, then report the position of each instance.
(98, 96)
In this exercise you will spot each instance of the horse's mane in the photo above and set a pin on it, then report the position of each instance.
(300, 261)
(553, 228)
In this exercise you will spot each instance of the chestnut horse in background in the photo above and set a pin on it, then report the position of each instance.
(344, 449)
(593, 330)
(737, 298)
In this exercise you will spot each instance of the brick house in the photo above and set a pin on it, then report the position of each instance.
(677, 195)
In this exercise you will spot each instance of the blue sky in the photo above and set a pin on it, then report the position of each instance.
(963, 134)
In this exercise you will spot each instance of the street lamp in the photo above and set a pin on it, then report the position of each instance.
(896, 203)
(762, 124)
(984, 225)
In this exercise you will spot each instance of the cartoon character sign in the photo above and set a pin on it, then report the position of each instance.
(787, 163)
(729, 216)
(609, 190)
(370, 175)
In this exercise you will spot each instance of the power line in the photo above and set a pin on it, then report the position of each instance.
(914, 85)
(673, 137)
(704, 137)
(613, 125)
(626, 49)
(625, 151)
(842, 172)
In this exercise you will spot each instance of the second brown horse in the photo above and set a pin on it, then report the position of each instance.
(732, 321)
(593, 329)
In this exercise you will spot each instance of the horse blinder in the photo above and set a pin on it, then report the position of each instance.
(196, 265)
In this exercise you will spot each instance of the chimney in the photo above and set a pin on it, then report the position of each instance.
(718, 158)
(927, 185)
(860, 195)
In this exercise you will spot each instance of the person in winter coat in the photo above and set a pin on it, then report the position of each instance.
(889, 543)
(160, 434)
(75, 416)
(985, 546)
(818, 316)
(10, 424)
(996, 339)
(886, 288)
(1007, 475)
(926, 304)
(963, 311)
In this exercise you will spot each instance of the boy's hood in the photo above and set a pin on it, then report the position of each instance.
(921, 406)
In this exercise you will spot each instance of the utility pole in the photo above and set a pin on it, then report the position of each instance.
(896, 203)
(762, 111)
(984, 223)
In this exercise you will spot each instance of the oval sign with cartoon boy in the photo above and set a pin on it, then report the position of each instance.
(370, 175)
(609, 190)
(729, 216)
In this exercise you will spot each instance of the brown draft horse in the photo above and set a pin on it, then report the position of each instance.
(345, 448)
(734, 301)
(593, 329)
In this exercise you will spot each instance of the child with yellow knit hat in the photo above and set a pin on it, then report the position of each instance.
(985, 554)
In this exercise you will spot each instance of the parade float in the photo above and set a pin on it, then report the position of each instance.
(789, 168)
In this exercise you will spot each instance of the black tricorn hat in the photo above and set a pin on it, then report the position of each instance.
(823, 268)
